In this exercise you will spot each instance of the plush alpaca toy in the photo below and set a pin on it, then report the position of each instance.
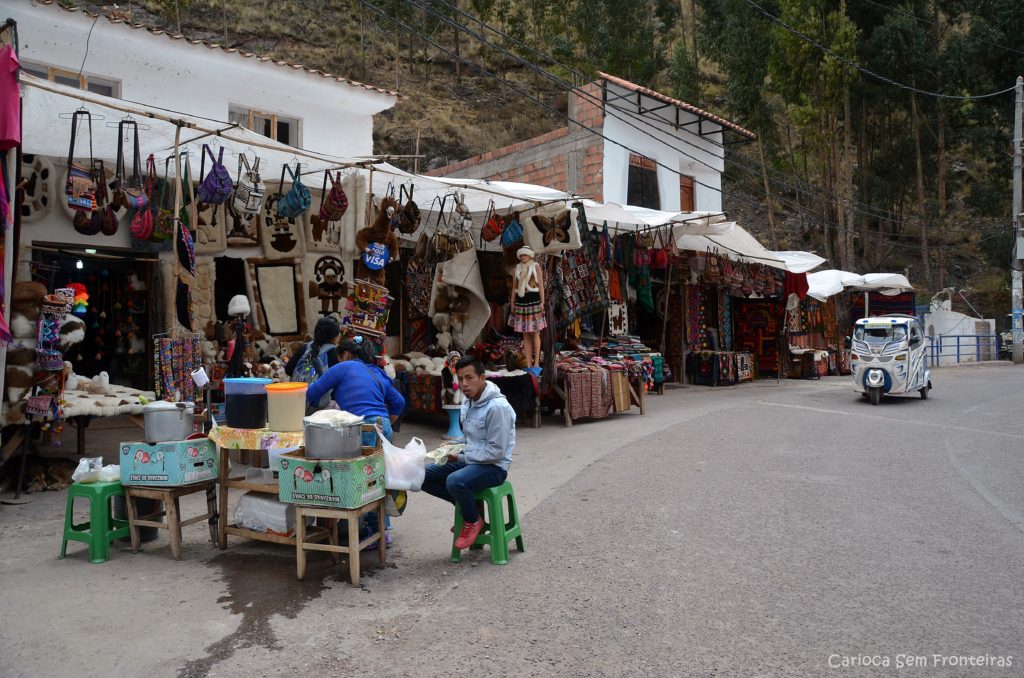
(379, 233)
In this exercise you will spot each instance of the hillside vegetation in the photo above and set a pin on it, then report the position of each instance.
(872, 151)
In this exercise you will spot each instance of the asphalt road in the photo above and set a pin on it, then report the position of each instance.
(756, 530)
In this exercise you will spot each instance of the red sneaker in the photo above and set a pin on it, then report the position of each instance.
(469, 533)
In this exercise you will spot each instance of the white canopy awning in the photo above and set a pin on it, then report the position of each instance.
(477, 193)
(824, 284)
(739, 245)
(620, 217)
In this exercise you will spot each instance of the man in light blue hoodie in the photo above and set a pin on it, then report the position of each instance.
(489, 423)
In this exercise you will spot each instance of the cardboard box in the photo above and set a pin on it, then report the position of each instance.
(169, 464)
(332, 483)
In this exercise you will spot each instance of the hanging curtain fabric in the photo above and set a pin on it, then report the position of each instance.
(174, 360)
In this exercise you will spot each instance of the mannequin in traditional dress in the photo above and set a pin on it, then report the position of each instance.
(527, 306)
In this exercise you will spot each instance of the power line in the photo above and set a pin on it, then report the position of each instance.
(889, 81)
(930, 23)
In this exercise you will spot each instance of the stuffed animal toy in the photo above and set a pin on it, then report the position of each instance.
(380, 232)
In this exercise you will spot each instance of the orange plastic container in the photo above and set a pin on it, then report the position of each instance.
(286, 406)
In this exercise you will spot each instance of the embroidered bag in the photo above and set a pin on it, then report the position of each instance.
(513, 231)
(659, 257)
(493, 225)
(91, 223)
(216, 187)
(712, 268)
(333, 203)
(249, 189)
(297, 200)
(80, 187)
(409, 212)
(128, 191)
(141, 227)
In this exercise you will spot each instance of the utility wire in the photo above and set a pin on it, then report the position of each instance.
(889, 81)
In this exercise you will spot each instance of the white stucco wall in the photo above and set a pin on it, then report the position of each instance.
(658, 139)
(948, 324)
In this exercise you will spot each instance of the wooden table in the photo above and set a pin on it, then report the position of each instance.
(636, 395)
(354, 547)
(239, 482)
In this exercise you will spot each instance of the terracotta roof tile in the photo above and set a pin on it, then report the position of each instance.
(718, 120)
(213, 45)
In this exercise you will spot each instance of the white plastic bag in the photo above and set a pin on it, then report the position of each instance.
(88, 470)
(404, 467)
(110, 473)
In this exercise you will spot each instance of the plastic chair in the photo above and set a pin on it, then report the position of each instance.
(499, 529)
(101, 528)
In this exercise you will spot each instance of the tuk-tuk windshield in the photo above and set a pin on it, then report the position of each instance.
(880, 333)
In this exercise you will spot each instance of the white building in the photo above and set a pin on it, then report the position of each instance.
(632, 146)
(957, 337)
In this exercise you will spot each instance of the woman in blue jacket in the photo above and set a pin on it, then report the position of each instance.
(362, 388)
(359, 386)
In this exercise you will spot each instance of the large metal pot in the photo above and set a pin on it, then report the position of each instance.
(166, 422)
(333, 441)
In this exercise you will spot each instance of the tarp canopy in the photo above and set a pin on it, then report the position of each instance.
(739, 245)
(824, 284)
(47, 130)
(631, 217)
(477, 193)
(888, 284)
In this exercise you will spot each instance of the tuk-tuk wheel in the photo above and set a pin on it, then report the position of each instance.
(924, 392)
(876, 396)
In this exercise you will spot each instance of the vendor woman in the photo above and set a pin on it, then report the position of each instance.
(360, 387)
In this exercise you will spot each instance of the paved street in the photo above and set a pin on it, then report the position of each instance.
(755, 530)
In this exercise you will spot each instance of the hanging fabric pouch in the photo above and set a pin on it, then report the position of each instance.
(141, 227)
(494, 224)
(128, 190)
(80, 187)
(215, 188)
(91, 223)
(712, 268)
(249, 189)
(512, 232)
(297, 200)
(333, 203)
(409, 212)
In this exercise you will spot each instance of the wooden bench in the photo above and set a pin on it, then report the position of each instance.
(172, 511)
(354, 547)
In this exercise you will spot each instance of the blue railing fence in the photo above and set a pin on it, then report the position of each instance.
(953, 349)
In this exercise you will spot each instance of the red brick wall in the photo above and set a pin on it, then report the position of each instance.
(544, 160)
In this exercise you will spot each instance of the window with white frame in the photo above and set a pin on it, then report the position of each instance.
(92, 83)
(278, 127)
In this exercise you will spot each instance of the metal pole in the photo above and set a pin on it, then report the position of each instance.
(1018, 114)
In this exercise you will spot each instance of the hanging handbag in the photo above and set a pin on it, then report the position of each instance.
(409, 211)
(104, 215)
(493, 225)
(215, 188)
(297, 200)
(333, 203)
(128, 191)
(512, 233)
(80, 187)
(249, 189)
(141, 227)
(659, 257)
(91, 223)
(712, 268)
(163, 226)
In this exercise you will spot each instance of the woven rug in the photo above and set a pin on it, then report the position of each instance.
(583, 287)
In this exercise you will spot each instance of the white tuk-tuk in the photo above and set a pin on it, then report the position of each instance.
(889, 356)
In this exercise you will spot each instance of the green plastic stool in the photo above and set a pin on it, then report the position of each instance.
(498, 535)
(101, 529)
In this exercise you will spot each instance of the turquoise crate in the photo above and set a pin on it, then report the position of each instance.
(170, 464)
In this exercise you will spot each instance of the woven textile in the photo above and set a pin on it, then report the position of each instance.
(419, 334)
(424, 393)
(696, 337)
(590, 394)
(583, 286)
(725, 318)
